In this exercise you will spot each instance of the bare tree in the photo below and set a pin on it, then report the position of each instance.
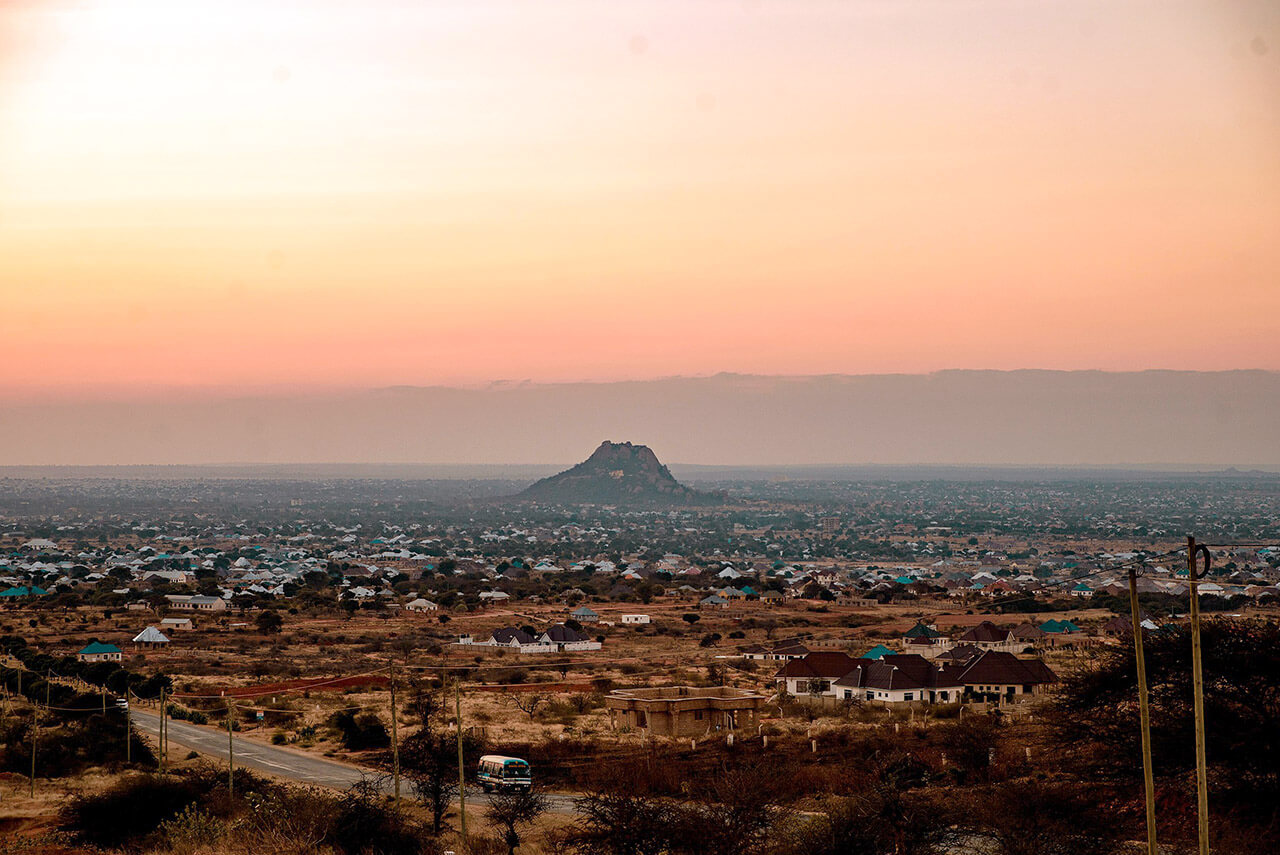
(429, 761)
(511, 809)
(621, 823)
(527, 702)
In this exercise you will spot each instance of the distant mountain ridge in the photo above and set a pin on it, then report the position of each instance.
(617, 473)
(1209, 420)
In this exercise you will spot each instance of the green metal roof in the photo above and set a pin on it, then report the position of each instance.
(98, 647)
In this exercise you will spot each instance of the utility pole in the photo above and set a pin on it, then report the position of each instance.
(1144, 714)
(395, 740)
(104, 700)
(128, 725)
(231, 762)
(35, 732)
(462, 775)
(1197, 679)
(161, 730)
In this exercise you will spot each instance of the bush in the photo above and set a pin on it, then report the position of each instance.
(134, 808)
(191, 829)
(70, 746)
(192, 811)
(184, 714)
(360, 732)
(365, 823)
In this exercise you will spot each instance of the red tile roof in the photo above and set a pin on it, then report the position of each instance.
(986, 632)
(995, 668)
(824, 666)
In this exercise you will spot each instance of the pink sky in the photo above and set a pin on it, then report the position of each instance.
(259, 193)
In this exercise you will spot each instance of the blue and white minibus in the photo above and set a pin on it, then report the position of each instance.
(497, 772)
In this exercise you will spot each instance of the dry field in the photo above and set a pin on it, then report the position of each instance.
(295, 680)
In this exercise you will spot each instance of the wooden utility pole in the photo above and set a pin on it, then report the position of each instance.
(231, 752)
(128, 725)
(162, 730)
(395, 740)
(1144, 714)
(104, 700)
(462, 775)
(1197, 678)
(35, 731)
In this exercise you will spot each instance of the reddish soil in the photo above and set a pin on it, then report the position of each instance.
(319, 684)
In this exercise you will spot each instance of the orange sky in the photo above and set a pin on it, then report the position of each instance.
(259, 193)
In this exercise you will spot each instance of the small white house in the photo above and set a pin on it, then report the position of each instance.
(420, 605)
(634, 619)
(151, 637)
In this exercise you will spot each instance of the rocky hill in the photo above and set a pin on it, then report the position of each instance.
(617, 473)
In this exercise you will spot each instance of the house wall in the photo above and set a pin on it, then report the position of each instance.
(896, 697)
(1003, 691)
(557, 648)
(683, 717)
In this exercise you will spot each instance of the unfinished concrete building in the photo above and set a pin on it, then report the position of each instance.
(684, 710)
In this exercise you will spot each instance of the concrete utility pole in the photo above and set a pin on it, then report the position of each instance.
(1144, 714)
(1197, 678)
(462, 775)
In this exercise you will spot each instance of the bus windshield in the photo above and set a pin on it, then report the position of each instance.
(516, 770)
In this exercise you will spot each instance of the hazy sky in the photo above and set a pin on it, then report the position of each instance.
(257, 193)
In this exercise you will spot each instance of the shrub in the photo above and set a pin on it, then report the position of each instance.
(191, 829)
(135, 807)
(70, 746)
(360, 732)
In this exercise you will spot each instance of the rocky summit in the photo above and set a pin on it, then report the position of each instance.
(617, 473)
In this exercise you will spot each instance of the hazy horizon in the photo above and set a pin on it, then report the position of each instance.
(760, 232)
(955, 418)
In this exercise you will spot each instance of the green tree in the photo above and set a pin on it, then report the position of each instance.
(269, 622)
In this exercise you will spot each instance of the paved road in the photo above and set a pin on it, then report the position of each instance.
(289, 763)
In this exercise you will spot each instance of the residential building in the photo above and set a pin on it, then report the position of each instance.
(814, 673)
(988, 636)
(151, 637)
(96, 651)
(197, 602)
(583, 614)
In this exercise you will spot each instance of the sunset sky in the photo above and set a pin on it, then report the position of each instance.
(250, 194)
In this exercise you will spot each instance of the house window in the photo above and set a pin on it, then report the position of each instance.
(909, 696)
(697, 715)
(848, 694)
